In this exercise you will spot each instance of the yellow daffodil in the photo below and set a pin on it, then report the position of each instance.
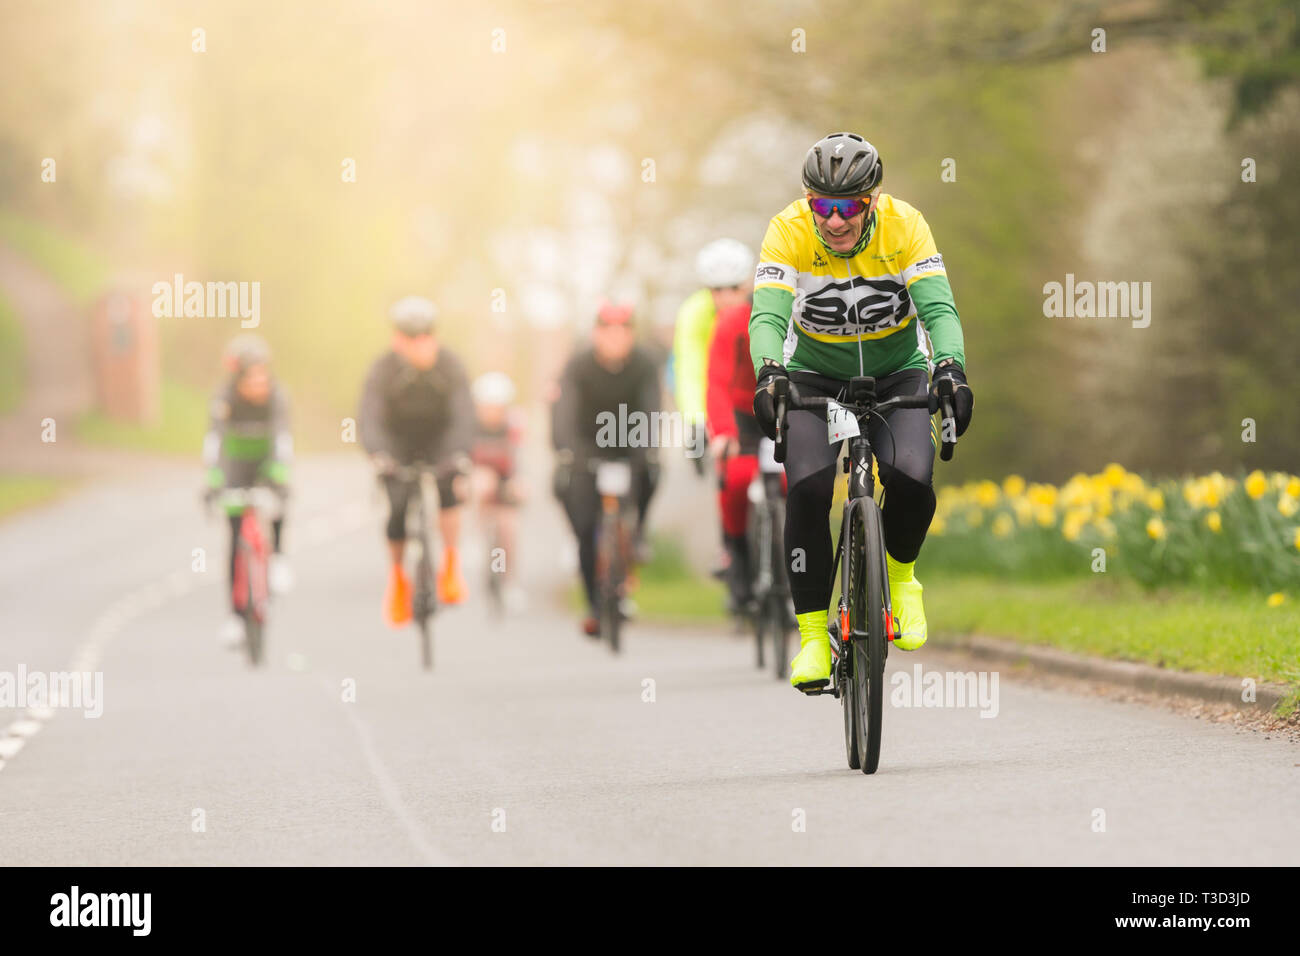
(1156, 529)
(1214, 522)
(1003, 525)
(1013, 486)
(1042, 495)
(1293, 486)
(1114, 475)
(1156, 500)
(1276, 599)
(986, 494)
(1287, 506)
(1256, 484)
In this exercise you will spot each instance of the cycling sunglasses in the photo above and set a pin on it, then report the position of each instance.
(847, 208)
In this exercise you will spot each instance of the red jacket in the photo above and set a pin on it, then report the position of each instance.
(731, 371)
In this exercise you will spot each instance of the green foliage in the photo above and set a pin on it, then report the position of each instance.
(76, 269)
(179, 432)
(12, 372)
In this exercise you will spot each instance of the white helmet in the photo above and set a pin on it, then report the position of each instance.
(724, 263)
(494, 388)
(413, 315)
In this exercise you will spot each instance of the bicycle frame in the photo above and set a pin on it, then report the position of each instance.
(425, 600)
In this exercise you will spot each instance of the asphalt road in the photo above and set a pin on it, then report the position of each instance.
(531, 744)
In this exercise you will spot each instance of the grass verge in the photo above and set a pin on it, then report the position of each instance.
(74, 268)
(1230, 632)
(12, 373)
(25, 491)
(180, 432)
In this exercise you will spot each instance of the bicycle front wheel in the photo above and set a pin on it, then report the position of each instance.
(611, 560)
(867, 624)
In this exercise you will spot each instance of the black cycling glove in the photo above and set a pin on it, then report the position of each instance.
(950, 381)
(764, 400)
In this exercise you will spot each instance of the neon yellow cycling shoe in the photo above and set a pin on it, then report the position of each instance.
(909, 612)
(812, 665)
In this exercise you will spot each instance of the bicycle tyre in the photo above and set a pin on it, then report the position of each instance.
(610, 618)
(424, 602)
(254, 634)
(867, 617)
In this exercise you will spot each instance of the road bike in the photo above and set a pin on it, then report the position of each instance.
(773, 613)
(419, 532)
(250, 592)
(862, 625)
(614, 546)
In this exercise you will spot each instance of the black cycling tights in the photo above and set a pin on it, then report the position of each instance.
(905, 463)
(582, 506)
(401, 492)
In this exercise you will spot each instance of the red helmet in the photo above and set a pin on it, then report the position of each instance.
(614, 313)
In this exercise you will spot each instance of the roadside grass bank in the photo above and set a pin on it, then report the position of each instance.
(12, 373)
(1237, 633)
(77, 270)
(179, 431)
(19, 492)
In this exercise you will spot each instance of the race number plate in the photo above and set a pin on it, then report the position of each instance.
(840, 423)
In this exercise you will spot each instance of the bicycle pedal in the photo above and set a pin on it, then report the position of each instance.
(814, 687)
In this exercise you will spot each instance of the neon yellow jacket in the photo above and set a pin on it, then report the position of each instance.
(691, 338)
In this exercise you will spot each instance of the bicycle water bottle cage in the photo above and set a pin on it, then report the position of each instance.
(862, 388)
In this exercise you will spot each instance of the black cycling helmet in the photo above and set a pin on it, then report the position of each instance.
(842, 164)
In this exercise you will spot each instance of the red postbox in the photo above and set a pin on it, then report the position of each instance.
(125, 336)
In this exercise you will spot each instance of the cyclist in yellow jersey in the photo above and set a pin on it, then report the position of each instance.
(725, 267)
(849, 283)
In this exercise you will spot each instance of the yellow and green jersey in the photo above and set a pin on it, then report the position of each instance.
(886, 308)
(691, 338)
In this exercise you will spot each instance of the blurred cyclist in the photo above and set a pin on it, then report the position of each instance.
(725, 267)
(248, 443)
(416, 408)
(734, 435)
(497, 433)
(614, 372)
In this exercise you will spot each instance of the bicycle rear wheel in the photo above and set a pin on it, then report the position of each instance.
(867, 623)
